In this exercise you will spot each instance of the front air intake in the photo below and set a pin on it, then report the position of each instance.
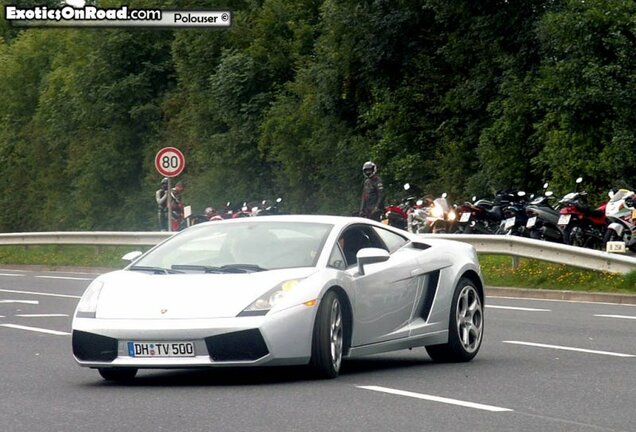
(93, 347)
(242, 345)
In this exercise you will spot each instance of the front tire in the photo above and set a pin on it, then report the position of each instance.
(328, 337)
(118, 374)
(465, 327)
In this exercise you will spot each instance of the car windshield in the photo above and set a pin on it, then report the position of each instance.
(244, 247)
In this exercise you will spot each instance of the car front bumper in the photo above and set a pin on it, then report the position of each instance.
(281, 338)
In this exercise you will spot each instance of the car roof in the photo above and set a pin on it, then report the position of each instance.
(338, 221)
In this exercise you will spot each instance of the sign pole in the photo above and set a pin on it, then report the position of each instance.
(169, 162)
(169, 205)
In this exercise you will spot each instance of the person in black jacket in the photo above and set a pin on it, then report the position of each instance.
(372, 202)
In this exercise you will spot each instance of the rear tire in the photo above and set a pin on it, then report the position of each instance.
(118, 374)
(465, 327)
(328, 337)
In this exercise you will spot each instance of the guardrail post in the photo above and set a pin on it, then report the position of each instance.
(515, 262)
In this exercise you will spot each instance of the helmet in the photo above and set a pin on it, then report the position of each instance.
(369, 169)
(164, 183)
(210, 210)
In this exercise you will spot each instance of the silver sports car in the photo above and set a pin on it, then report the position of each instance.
(281, 290)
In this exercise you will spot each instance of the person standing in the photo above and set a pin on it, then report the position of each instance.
(161, 196)
(372, 201)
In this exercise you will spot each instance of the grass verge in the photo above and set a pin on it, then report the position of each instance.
(497, 269)
(533, 273)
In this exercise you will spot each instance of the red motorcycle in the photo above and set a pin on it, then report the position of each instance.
(580, 224)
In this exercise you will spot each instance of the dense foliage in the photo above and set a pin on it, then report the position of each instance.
(460, 96)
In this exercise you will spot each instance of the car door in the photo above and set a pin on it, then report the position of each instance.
(385, 294)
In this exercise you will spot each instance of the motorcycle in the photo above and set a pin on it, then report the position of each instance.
(418, 218)
(396, 215)
(515, 217)
(441, 217)
(478, 217)
(581, 225)
(621, 215)
(266, 209)
(543, 218)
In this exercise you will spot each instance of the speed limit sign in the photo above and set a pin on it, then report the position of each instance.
(169, 161)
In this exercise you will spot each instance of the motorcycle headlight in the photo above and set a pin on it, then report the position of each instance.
(87, 306)
(267, 301)
(451, 215)
(438, 211)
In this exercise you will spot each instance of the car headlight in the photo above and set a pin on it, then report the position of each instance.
(267, 301)
(87, 305)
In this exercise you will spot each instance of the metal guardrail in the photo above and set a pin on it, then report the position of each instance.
(554, 252)
(492, 244)
(105, 238)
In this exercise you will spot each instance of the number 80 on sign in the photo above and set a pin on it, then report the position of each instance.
(169, 161)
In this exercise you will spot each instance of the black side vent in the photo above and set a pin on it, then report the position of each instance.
(420, 246)
(429, 294)
(93, 347)
(237, 346)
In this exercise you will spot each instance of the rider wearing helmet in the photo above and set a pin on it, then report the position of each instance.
(161, 196)
(372, 202)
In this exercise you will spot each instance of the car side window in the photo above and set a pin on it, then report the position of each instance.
(358, 237)
(393, 241)
(337, 259)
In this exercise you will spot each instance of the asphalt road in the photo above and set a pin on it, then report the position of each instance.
(543, 366)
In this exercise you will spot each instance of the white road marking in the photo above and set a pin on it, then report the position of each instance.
(41, 315)
(35, 329)
(560, 300)
(617, 316)
(435, 398)
(20, 301)
(519, 308)
(64, 277)
(40, 293)
(564, 348)
(11, 274)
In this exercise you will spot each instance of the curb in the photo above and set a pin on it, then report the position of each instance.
(56, 268)
(544, 294)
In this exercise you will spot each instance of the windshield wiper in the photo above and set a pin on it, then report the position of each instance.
(228, 268)
(155, 270)
(241, 268)
(197, 267)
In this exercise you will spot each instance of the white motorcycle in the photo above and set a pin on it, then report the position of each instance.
(620, 212)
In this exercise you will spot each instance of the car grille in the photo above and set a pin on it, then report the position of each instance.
(93, 347)
(241, 345)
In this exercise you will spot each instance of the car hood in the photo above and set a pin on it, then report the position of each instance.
(140, 295)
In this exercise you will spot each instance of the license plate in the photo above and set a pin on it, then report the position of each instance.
(510, 222)
(465, 217)
(161, 349)
(531, 222)
(564, 219)
(615, 247)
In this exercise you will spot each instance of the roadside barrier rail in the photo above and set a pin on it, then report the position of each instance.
(554, 252)
(491, 244)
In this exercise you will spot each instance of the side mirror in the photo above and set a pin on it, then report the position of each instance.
(579, 180)
(545, 185)
(521, 193)
(370, 256)
(444, 195)
(132, 256)
(279, 200)
(611, 194)
(474, 198)
(549, 193)
(407, 186)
